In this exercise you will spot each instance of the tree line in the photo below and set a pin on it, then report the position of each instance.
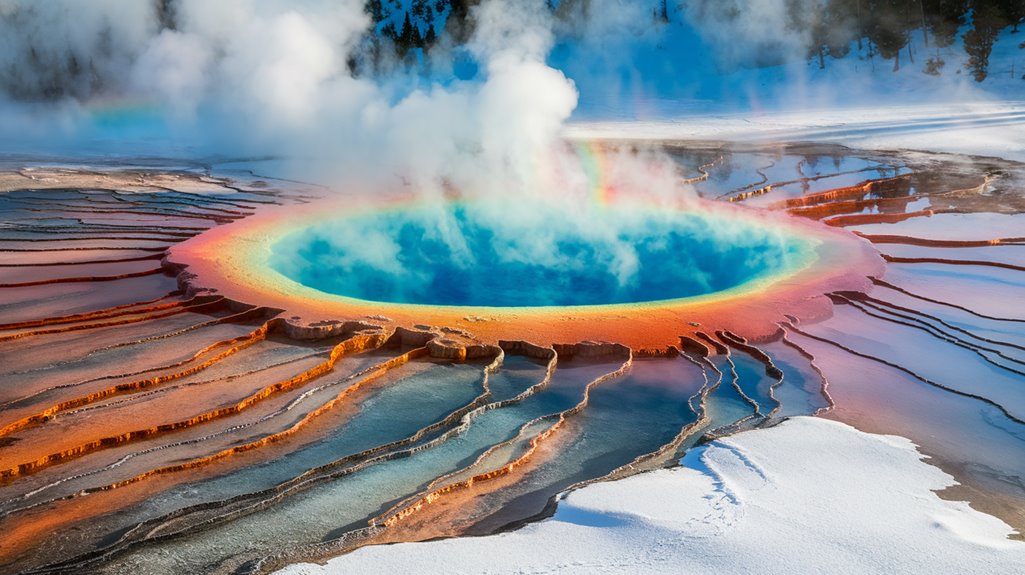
(884, 27)
(834, 26)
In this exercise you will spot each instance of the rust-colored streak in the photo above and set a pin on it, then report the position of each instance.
(820, 211)
(946, 261)
(200, 304)
(896, 184)
(197, 304)
(84, 279)
(379, 370)
(84, 263)
(740, 343)
(355, 344)
(123, 309)
(861, 219)
(236, 345)
(406, 511)
(926, 242)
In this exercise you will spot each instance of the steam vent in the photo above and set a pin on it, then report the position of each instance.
(219, 371)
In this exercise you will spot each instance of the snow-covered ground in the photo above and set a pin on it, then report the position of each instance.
(807, 496)
(984, 128)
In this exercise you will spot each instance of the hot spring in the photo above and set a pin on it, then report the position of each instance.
(465, 254)
(286, 368)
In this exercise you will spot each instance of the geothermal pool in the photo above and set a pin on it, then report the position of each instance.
(222, 372)
(462, 255)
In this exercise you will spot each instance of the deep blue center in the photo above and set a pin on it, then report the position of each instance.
(454, 258)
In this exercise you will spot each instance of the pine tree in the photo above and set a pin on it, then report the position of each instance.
(945, 17)
(458, 23)
(405, 40)
(430, 37)
(987, 21)
(887, 28)
(376, 11)
(420, 9)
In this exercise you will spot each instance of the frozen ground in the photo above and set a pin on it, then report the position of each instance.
(984, 128)
(808, 496)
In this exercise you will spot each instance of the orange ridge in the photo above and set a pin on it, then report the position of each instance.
(866, 187)
(241, 342)
(84, 279)
(97, 314)
(926, 242)
(210, 303)
(354, 344)
(399, 515)
(901, 260)
(377, 371)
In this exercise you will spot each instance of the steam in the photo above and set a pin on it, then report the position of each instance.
(273, 77)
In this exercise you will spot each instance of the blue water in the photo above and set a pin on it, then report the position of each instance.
(451, 257)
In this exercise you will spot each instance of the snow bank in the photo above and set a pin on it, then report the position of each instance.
(982, 128)
(808, 496)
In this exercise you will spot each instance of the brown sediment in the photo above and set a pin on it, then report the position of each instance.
(862, 219)
(196, 304)
(819, 211)
(741, 325)
(234, 345)
(694, 346)
(900, 183)
(84, 263)
(84, 279)
(936, 332)
(405, 510)
(740, 343)
(888, 285)
(355, 344)
(903, 369)
(370, 375)
(824, 387)
(947, 261)
(771, 370)
(715, 344)
(162, 527)
(912, 241)
(878, 303)
(661, 457)
(122, 309)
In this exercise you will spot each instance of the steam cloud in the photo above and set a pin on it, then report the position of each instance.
(238, 77)
(271, 76)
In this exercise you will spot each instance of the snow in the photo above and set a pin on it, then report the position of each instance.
(981, 128)
(807, 496)
(857, 100)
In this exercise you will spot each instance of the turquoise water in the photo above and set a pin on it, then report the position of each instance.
(456, 256)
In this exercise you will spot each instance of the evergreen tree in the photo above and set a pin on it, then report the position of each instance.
(458, 23)
(887, 28)
(1013, 12)
(944, 18)
(376, 11)
(405, 40)
(420, 9)
(987, 20)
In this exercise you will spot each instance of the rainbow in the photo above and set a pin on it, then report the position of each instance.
(595, 164)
